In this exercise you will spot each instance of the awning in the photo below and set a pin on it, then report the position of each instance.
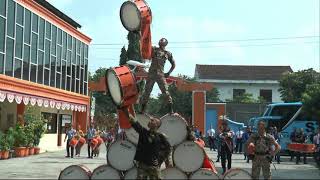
(40, 101)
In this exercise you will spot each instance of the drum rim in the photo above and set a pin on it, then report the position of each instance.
(79, 165)
(107, 166)
(204, 169)
(173, 152)
(186, 175)
(108, 155)
(126, 172)
(233, 169)
(138, 12)
(121, 92)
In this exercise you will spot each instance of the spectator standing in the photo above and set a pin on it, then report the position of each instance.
(316, 141)
(292, 137)
(70, 133)
(245, 137)
(300, 138)
(90, 135)
(239, 141)
(226, 146)
(211, 138)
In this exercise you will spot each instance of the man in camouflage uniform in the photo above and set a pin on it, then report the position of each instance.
(263, 153)
(152, 150)
(156, 74)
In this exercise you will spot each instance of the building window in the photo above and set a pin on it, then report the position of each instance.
(3, 8)
(17, 68)
(20, 12)
(1, 63)
(19, 41)
(51, 122)
(9, 57)
(266, 94)
(27, 26)
(2, 35)
(238, 92)
(10, 18)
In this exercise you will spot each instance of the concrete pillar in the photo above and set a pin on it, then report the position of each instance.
(198, 109)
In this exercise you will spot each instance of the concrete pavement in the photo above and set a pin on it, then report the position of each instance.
(48, 166)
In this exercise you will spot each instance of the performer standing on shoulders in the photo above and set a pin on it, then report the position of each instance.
(152, 150)
(226, 146)
(263, 154)
(156, 74)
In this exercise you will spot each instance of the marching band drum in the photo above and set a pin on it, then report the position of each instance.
(302, 147)
(75, 172)
(237, 173)
(121, 154)
(174, 127)
(188, 156)
(133, 13)
(204, 174)
(131, 174)
(131, 134)
(105, 172)
(173, 173)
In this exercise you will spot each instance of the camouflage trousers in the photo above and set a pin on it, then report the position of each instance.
(161, 81)
(258, 163)
(148, 172)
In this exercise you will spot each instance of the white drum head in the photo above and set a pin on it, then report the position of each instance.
(173, 173)
(131, 134)
(174, 127)
(204, 174)
(114, 87)
(75, 172)
(121, 154)
(130, 16)
(237, 174)
(188, 156)
(131, 174)
(105, 172)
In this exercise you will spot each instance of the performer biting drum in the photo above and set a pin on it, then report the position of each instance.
(152, 149)
(156, 74)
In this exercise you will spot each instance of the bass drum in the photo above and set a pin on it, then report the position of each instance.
(204, 174)
(131, 174)
(121, 154)
(105, 172)
(237, 173)
(173, 173)
(131, 134)
(174, 127)
(75, 172)
(188, 156)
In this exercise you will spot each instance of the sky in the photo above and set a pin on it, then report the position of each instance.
(295, 22)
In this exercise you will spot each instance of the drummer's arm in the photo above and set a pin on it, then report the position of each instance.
(135, 124)
(172, 62)
(276, 145)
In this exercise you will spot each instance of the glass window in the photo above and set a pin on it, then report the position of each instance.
(17, 68)
(74, 53)
(78, 46)
(54, 40)
(266, 94)
(69, 42)
(78, 67)
(68, 83)
(53, 71)
(59, 49)
(19, 41)
(27, 26)
(34, 48)
(40, 66)
(41, 33)
(51, 122)
(25, 71)
(34, 22)
(2, 35)
(81, 80)
(33, 73)
(46, 77)
(69, 63)
(3, 8)
(77, 85)
(47, 54)
(48, 30)
(59, 40)
(73, 78)
(63, 74)
(86, 51)
(64, 44)
(10, 18)
(85, 89)
(9, 57)
(20, 12)
(238, 92)
(26, 61)
(58, 80)
(86, 70)
(1, 63)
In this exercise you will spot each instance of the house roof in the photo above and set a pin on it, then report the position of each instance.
(58, 13)
(234, 72)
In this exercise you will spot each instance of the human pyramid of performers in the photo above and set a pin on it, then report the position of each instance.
(150, 148)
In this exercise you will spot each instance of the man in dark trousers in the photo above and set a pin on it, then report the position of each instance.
(245, 137)
(156, 74)
(152, 150)
(70, 133)
(90, 135)
(300, 137)
(226, 146)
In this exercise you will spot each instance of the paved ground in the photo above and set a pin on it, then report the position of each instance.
(49, 165)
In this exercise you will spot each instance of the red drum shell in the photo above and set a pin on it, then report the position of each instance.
(94, 143)
(300, 147)
(82, 141)
(73, 142)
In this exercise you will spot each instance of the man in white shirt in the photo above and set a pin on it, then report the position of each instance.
(316, 141)
(211, 137)
(239, 141)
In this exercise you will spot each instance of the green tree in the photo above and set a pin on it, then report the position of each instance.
(311, 100)
(212, 96)
(133, 52)
(293, 85)
(244, 98)
(123, 56)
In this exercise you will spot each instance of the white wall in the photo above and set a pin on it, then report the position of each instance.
(226, 90)
(7, 110)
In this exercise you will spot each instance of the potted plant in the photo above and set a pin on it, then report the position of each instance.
(29, 131)
(20, 141)
(6, 142)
